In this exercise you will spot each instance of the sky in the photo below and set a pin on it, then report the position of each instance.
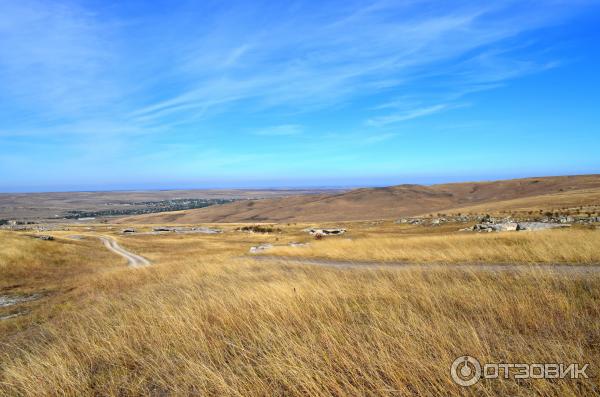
(102, 95)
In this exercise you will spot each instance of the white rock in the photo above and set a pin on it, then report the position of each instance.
(533, 226)
(326, 232)
(260, 248)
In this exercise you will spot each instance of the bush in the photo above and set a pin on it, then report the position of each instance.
(258, 229)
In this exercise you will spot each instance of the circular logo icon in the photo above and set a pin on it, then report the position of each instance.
(465, 371)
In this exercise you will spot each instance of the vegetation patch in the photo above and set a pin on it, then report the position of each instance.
(259, 229)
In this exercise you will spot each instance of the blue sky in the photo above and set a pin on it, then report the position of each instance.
(163, 94)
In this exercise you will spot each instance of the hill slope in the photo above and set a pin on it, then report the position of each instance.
(388, 202)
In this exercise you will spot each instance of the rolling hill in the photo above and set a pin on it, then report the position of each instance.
(395, 201)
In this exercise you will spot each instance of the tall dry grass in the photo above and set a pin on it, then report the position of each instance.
(243, 329)
(553, 246)
(32, 263)
(54, 271)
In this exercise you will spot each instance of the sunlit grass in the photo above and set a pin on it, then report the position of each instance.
(204, 320)
(247, 329)
(555, 246)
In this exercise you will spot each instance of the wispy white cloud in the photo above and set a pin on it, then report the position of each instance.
(280, 130)
(67, 65)
(377, 138)
(55, 59)
(407, 115)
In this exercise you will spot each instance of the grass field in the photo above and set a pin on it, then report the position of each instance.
(205, 319)
(567, 203)
(554, 246)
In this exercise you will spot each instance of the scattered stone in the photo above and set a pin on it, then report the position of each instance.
(566, 219)
(205, 230)
(298, 244)
(44, 237)
(410, 221)
(33, 227)
(463, 219)
(514, 226)
(487, 219)
(540, 225)
(589, 220)
(325, 232)
(260, 248)
(6, 300)
(495, 227)
(163, 229)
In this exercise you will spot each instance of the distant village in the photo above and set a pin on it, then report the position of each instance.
(131, 208)
(147, 207)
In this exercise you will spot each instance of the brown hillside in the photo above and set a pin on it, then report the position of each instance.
(386, 202)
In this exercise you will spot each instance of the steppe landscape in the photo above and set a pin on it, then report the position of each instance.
(299, 198)
(135, 307)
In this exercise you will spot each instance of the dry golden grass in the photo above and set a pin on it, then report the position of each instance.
(203, 321)
(587, 199)
(553, 246)
(28, 262)
(246, 329)
(56, 271)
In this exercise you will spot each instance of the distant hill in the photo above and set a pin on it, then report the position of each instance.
(395, 201)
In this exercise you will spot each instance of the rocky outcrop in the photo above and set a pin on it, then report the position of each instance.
(435, 221)
(540, 225)
(515, 226)
(496, 227)
(325, 232)
(163, 229)
(410, 221)
(589, 220)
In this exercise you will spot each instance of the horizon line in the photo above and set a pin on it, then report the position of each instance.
(291, 188)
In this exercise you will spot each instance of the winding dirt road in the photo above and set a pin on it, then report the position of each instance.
(569, 269)
(133, 260)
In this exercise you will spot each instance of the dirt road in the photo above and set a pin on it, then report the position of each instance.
(133, 260)
(490, 267)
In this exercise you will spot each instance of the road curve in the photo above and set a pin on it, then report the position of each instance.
(133, 260)
(570, 269)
